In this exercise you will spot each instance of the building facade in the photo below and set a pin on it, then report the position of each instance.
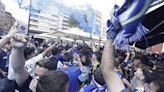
(159, 48)
(103, 30)
(98, 22)
(2, 18)
(53, 17)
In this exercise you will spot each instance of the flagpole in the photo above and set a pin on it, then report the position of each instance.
(30, 7)
(91, 40)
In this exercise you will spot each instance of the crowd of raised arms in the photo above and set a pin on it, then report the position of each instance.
(29, 66)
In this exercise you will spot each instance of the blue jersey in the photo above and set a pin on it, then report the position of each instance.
(130, 61)
(68, 64)
(97, 88)
(73, 73)
(89, 88)
(93, 87)
(3, 59)
(60, 58)
(7, 61)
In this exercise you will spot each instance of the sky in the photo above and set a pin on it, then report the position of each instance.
(13, 7)
(104, 6)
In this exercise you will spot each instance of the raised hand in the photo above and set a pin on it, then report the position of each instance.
(19, 40)
(113, 24)
(7, 38)
(33, 85)
(13, 30)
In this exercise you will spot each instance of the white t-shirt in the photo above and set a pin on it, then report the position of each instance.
(30, 64)
(59, 64)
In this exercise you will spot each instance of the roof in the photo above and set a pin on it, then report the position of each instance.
(155, 22)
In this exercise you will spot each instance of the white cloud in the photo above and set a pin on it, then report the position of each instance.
(13, 8)
(104, 6)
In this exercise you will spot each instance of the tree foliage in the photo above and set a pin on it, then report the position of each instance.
(72, 22)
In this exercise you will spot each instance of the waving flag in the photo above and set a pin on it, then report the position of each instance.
(86, 18)
(130, 16)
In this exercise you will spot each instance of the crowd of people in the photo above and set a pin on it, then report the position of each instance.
(29, 66)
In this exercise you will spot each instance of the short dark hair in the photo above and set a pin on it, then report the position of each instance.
(88, 54)
(142, 58)
(157, 78)
(52, 81)
(49, 63)
(28, 51)
(98, 76)
(55, 51)
(61, 48)
(98, 55)
(67, 57)
(118, 60)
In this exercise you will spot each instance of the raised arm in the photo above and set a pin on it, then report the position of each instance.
(79, 61)
(112, 80)
(17, 58)
(49, 49)
(6, 38)
(127, 57)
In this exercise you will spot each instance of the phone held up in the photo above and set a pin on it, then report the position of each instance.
(22, 27)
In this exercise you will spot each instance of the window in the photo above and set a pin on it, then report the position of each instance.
(54, 15)
(53, 29)
(41, 17)
(31, 25)
(32, 20)
(65, 20)
(33, 15)
(53, 20)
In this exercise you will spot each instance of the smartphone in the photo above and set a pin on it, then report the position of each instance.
(22, 27)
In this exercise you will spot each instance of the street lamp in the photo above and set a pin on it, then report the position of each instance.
(91, 34)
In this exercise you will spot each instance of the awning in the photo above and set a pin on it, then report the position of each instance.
(74, 34)
(155, 22)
